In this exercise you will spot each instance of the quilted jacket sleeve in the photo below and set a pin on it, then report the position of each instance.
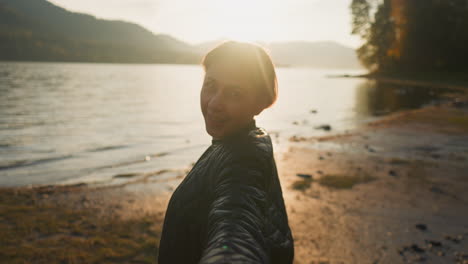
(236, 217)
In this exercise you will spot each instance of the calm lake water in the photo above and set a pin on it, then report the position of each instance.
(76, 122)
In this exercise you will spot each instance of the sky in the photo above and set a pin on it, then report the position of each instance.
(248, 20)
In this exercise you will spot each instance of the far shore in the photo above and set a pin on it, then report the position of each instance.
(391, 191)
(456, 81)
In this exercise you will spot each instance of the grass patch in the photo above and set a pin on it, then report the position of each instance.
(444, 120)
(35, 232)
(459, 121)
(344, 181)
(302, 185)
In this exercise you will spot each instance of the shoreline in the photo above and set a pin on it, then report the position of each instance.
(445, 81)
(362, 197)
(394, 191)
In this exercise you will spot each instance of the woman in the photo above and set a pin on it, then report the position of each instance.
(230, 208)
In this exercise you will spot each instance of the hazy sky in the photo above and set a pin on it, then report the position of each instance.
(197, 21)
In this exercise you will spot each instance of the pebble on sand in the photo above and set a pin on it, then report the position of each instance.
(305, 176)
(421, 227)
(324, 127)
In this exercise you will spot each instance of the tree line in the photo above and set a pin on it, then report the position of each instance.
(412, 35)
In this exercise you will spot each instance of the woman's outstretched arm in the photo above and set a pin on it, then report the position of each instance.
(237, 216)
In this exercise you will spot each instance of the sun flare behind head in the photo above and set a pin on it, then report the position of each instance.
(244, 20)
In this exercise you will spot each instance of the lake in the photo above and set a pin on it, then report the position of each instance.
(78, 122)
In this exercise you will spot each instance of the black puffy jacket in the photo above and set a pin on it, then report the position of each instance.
(229, 208)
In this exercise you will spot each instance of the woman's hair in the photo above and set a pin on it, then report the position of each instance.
(253, 61)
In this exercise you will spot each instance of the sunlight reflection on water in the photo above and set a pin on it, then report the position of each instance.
(73, 122)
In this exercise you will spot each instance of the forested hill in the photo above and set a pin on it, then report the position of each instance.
(39, 30)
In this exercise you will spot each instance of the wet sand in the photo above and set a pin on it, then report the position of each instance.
(408, 203)
(392, 191)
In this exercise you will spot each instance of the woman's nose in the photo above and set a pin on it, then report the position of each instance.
(217, 103)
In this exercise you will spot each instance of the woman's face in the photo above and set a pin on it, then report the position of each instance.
(228, 100)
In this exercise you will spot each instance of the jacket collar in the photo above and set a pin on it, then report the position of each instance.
(239, 133)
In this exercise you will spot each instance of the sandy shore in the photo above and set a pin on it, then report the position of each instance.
(393, 191)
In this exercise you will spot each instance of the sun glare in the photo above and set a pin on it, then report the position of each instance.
(244, 20)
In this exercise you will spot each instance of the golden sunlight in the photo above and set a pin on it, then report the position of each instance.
(245, 20)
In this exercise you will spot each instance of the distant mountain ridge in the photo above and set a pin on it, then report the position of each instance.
(324, 54)
(40, 30)
(37, 30)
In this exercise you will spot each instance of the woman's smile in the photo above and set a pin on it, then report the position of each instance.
(216, 119)
(216, 122)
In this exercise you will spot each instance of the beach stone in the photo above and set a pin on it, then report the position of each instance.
(436, 189)
(324, 127)
(458, 103)
(417, 248)
(434, 243)
(421, 227)
(305, 176)
(453, 239)
(369, 148)
(297, 139)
